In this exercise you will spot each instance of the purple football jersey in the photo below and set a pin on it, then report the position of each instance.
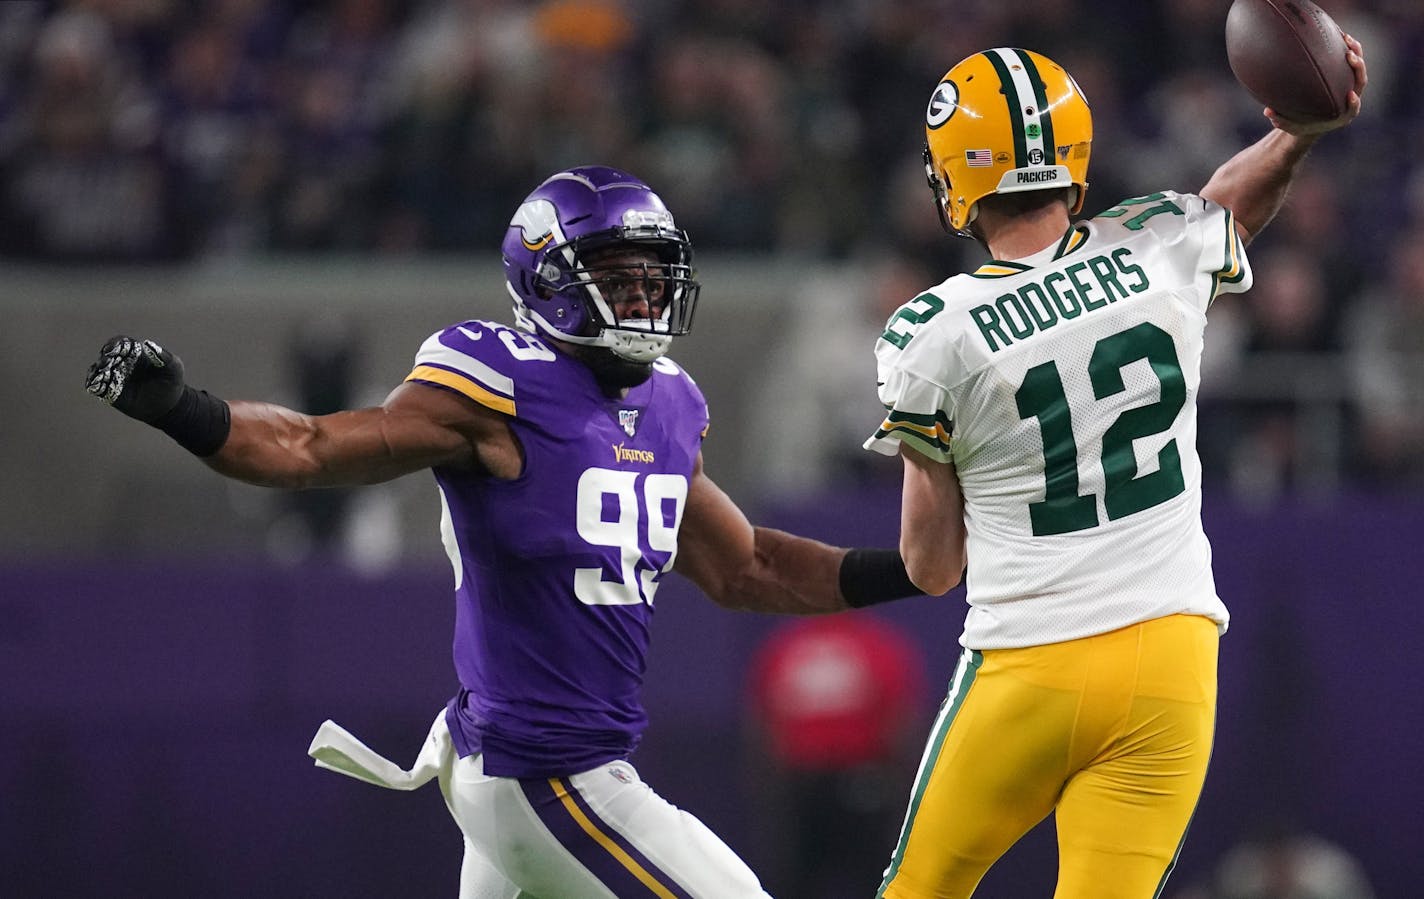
(556, 571)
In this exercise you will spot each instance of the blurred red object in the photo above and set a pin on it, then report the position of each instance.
(837, 692)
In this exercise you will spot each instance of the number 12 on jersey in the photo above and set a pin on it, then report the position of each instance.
(1041, 395)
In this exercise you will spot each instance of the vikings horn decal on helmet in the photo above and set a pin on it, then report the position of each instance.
(551, 252)
(1004, 121)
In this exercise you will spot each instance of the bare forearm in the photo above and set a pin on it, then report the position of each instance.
(932, 529)
(789, 575)
(934, 556)
(1254, 182)
(273, 446)
(741, 566)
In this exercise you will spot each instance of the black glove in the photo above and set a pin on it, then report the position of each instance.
(138, 377)
(144, 381)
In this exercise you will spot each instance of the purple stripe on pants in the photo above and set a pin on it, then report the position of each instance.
(611, 859)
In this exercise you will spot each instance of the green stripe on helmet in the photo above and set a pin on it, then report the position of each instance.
(1045, 117)
(1011, 96)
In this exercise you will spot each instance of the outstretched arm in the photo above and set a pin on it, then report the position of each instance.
(742, 566)
(1253, 183)
(417, 427)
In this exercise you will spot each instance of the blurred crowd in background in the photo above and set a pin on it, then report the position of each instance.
(160, 131)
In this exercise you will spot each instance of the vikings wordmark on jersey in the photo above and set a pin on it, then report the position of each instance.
(1061, 385)
(556, 571)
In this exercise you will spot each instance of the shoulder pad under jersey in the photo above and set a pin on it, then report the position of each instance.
(670, 370)
(483, 361)
(1190, 224)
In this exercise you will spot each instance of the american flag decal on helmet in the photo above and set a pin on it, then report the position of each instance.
(977, 158)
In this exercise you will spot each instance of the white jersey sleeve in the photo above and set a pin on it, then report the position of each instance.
(919, 406)
(1063, 388)
(1211, 226)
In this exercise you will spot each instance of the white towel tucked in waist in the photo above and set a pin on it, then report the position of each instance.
(336, 748)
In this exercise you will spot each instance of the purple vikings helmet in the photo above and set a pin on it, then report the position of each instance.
(557, 290)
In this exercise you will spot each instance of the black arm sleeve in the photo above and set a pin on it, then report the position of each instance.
(870, 576)
(199, 422)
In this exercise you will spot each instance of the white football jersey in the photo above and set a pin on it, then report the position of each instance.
(1063, 387)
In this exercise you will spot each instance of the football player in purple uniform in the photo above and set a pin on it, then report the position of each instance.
(567, 451)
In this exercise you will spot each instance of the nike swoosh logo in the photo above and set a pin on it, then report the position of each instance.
(473, 335)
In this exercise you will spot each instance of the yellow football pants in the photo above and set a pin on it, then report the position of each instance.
(1111, 732)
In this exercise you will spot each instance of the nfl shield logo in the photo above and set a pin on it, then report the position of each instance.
(628, 420)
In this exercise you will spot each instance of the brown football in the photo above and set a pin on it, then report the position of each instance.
(1291, 56)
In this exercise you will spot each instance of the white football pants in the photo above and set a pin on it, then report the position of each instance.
(601, 834)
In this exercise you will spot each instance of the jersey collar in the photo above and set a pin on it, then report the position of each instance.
(1072, 239)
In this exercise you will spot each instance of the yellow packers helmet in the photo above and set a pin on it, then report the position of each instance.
(1004, 121)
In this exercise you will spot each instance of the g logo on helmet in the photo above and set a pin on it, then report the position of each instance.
(943, 102)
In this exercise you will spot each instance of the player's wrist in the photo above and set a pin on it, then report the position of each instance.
(871, 576)
(199, 421)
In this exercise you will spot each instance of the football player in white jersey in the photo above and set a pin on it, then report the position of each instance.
(1045, 409)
